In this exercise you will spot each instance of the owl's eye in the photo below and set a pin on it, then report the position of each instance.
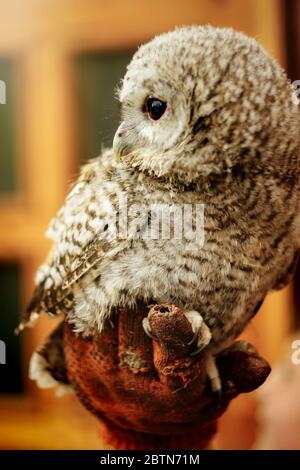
(155, 108)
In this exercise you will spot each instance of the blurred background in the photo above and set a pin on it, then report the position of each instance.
(61, 61)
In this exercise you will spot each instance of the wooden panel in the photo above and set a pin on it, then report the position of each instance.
(47, 119)
(87, 24)
(7, 129)
(97, 78)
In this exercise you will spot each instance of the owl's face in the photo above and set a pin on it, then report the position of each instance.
(198, 101)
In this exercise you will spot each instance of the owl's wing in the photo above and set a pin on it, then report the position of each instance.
(83, 236)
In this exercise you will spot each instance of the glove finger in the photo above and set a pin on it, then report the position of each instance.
(106, 344)
(242, 370)
(172, 338)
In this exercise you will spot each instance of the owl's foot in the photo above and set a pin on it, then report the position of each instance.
(213, 373)
(202, 334)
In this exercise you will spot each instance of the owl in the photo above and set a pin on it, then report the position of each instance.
(209, 120)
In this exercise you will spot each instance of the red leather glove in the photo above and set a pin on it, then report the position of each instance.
(150, 393)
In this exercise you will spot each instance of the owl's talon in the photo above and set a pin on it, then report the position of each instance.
(201, 331)
(146, 327)
(216, 385)
(213, 374)
(193, 338)
(198, 350)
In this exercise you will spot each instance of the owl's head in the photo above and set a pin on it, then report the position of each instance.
(198, 101)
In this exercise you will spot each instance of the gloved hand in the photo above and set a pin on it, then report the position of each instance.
(151, 393)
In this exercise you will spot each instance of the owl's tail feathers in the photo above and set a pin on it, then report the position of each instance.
(47, 365)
